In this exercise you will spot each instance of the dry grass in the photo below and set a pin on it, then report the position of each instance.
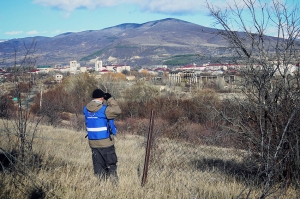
(66, 170)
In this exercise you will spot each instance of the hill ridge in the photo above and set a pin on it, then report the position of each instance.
(148, 43)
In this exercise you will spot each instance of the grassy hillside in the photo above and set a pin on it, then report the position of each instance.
(177, 170)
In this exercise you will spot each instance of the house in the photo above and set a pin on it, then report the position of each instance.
(110, 68)
(120, 68)
(44, 69)
(192, 67)
(161, 71)
(62, 69)
(116, 68)
(104, 71)
(83, 69)
(58, 77)
(288, 70)
(215, 67)
(33, 71)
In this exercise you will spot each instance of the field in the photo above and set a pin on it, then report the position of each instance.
(176, 170)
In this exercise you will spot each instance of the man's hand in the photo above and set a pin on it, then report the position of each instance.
(107, 96)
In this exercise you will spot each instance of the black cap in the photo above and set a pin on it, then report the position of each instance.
(98, 93)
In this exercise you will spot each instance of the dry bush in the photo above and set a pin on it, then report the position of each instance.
(194, 133)
(24, 87)
(184, 119)
(77, 122)
(198, 109)
(77, 91)
(204, 104)
(114, 77)
(128, 125)
(35, 107)
(177, 130)
(130, 109)
(136, 126)
(141, 92)
(7, 107)
(53, 104)
(182, 130)
(65, 116)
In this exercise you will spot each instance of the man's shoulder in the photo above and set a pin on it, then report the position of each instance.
(93, 106)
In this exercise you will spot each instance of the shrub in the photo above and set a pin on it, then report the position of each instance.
(6, 106)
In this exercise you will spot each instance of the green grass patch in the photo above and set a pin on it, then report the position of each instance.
(125, 46)
(91, 56)
(182, 59)
(112, 38)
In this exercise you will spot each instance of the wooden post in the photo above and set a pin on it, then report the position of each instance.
(148, 149)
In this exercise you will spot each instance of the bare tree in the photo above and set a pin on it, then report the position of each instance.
(18, 125)
(21, 126)
(264, 117)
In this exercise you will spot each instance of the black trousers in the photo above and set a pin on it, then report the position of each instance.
(105, 161)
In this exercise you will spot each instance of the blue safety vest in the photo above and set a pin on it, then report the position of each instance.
(97, 125)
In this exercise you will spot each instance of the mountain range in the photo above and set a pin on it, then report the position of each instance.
(150, 43)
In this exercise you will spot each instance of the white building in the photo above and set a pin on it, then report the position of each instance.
(98, 65)
(73, 66)
(83, 69)
(121, 68)
(286, 70)
(110, 68)
(159, 66)
(58, 77)
(192, 67)
(44, 69)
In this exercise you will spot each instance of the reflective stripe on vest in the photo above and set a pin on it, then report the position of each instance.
(97, 129)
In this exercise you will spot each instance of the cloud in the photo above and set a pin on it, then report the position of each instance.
(155, 6)
(70, 5)
(14, 33)
(57, 32)
(173, 6)
(32, 32)
(158, 6)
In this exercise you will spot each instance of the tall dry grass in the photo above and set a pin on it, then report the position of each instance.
(66, 172)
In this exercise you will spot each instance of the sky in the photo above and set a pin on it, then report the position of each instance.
(29, 18)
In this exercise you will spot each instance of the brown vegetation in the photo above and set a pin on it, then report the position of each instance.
(187, 120)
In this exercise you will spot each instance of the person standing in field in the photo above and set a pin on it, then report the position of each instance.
(99, 120)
